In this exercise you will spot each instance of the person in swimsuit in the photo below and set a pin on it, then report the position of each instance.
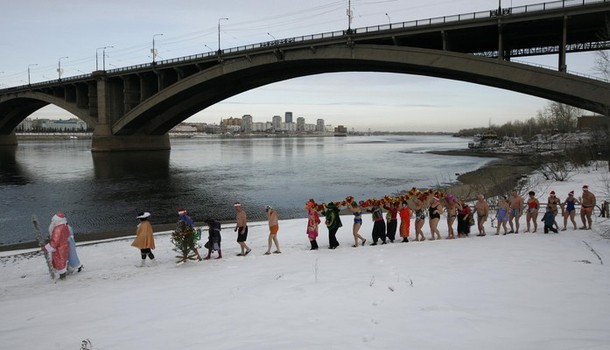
(554, 203)
(502, 214)
(516, 210)
(434, 213)
(587, 203)
(570, 210)
(453, 205)
(420, 219)
(532, 211)
(482, 209)
(357, 211)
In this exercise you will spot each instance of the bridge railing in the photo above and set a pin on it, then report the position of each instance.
(391, 26)
(378, 28)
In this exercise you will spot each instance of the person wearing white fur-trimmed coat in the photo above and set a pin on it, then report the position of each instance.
(58, 243)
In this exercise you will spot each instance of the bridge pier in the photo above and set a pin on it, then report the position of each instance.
(104, 141)
(8, 140)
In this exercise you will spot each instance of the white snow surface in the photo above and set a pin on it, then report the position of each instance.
(524, 291)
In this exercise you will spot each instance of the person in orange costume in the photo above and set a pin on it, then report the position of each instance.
(145, 240)
(405, 221)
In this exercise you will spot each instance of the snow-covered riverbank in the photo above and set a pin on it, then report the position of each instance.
(524, 291)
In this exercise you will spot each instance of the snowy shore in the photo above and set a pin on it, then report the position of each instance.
(519, 291)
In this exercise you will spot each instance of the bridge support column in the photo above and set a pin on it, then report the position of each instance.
(8, 140)
(104, 141)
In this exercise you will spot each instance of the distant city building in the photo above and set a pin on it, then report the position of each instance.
(246, 123)
(320, 125)
(184, 128)
(277, 122)
(52, 125)
(288, 117)
(232, 121)
(300, 124)
(341, 130)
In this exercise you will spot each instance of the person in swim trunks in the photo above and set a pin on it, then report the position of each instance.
(587, 203)
(241, 227)
(482, 209)
(274, 227)
(516, 210)
(532, 211)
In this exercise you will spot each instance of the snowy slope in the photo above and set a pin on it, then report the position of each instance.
(525, 291)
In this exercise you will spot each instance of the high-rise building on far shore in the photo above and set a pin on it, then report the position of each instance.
(288, 117)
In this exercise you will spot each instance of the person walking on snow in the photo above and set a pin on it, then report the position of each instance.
(214, 238)
(241, 227)
(74, 263)
(313, 220)
(58, 245)
(274, 227)
(587, 203)
(145, 241)
(333, 222)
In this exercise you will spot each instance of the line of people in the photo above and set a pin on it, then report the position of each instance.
(431, 205)
(423, 204)
(188, 246)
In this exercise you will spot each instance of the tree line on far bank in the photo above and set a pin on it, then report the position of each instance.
(555, 118)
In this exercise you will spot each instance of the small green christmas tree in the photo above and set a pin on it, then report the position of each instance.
(185, 239)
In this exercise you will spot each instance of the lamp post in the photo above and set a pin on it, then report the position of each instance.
(389, 20)
(96, 54)
(211, 49)
(104, 56)
(349, 16)
(30, 65)
(59, 71)
(153, 51)
(271, 36)
(220, 19)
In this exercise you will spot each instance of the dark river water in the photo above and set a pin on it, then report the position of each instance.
(104, 192)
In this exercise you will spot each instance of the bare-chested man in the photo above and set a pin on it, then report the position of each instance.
(587, 204)
(241, 228)
(482, 209)
(516, 210)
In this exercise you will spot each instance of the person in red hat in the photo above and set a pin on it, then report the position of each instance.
(569, 206)
(587, 203)
(58, 244)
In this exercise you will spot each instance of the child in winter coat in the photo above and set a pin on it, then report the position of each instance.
(549, 220)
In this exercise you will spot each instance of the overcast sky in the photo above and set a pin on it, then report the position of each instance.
(38, 33)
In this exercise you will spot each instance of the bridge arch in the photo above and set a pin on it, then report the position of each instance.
(169, 107)
(16, 108)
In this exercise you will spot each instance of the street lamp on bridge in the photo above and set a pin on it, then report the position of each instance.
(389, 20)
(59, 70)
(153, 51)
(104, 53)
(220, 19)
(271, 36)
(211, 49)
(30, 65)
